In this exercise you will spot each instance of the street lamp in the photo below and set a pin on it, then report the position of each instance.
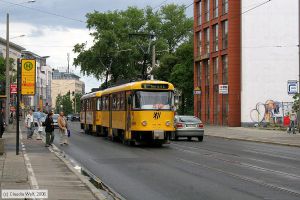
(7, 80)
(23, 35)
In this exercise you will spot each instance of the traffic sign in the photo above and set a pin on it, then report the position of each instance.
(28, 77)
(197, 90)
(292, 87)
(13, 89)
(223, 89)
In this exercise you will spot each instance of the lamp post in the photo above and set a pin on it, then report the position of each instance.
(7, 79)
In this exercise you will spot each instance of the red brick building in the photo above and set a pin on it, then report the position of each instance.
(217, 61)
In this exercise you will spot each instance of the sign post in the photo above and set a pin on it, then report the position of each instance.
(197, 90)
(292, 87)
(223, 89)
(18, 105)
(28, 77)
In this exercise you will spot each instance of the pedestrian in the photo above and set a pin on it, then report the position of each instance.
(29, 124)
(63, 129)
(2, 123)
(49, 129)
(39, 125)
(293, 117)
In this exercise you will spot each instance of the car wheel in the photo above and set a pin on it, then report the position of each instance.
(189, 138)
(200, 138)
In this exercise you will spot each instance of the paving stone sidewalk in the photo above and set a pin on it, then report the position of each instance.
(254, 135)
(39, 168)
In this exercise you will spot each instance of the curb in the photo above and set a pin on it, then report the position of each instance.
(254, 140)
(82, 178)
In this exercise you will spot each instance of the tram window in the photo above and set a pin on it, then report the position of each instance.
(118, 102)
(99, 104)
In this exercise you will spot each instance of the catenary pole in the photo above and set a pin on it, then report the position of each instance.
(18, 105)
(7, 79)
(298, 117)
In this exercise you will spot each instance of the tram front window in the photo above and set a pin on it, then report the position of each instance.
(149, 100)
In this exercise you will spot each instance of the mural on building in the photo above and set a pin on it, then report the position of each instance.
(270, 112)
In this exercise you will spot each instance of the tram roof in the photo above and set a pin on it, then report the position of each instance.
(137, 85)
(91, 95)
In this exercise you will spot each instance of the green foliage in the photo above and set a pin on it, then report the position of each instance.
(3, 68)
(296, 102)
(77, 102)
(182, 77)
(121, 52)
(66, 103)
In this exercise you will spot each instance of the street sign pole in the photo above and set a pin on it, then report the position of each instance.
(18, 104)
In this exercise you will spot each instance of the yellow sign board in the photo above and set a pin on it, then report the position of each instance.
(28, 77)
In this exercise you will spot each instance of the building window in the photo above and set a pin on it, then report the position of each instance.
(225, 34)
(206, 32)
(199, 73)
(225, 69)
(216, 37)
(216, 7)
(225, 6)
(225, 109)
(216, 69)
(216, 88)
(207, 108)
(199, 44)
(199, 81)
(199, 13)
(206, 10)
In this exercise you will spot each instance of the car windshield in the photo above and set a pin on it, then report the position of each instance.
(55, 116)
(150, 100)
(189, 119)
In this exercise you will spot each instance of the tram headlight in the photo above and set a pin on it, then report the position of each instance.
(144, 123)
(168, 123)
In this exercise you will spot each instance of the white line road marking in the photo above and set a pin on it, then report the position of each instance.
(32, 179)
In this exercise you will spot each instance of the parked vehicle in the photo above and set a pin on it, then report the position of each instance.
(55, 117)
(35, 118)
(188, 126)
(76, 117)
(69, 117)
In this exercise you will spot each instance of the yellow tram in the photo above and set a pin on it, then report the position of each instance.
(136, 112)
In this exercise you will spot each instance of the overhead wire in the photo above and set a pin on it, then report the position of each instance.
(44, 11)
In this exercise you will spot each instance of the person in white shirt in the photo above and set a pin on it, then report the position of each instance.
(29, 124)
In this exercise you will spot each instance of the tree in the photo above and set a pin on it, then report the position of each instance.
(3, 68)
(77, 102)
(64, 103)
(123, 41)
(182, 77)
(296, 103)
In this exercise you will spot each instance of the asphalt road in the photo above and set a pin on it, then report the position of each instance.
(213, 169)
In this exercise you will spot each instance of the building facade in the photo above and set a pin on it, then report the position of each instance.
(63, 82)
(249, 48)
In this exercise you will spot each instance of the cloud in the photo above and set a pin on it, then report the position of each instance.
(55, 36)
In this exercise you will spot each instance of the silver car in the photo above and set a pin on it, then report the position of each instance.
(188, 126)
(55, 117)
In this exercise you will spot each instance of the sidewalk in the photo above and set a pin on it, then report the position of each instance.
(254, 135)
(39, 168)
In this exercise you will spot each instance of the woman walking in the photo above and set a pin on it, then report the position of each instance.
(29, 124)
(63, 129)
(49, 129)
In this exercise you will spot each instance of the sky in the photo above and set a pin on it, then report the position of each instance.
(53, 27)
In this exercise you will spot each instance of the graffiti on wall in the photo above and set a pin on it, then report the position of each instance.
(270, 111)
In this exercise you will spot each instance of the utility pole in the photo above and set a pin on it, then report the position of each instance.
(18, 104)
(7, 89)
(153, 56)
(299, 66)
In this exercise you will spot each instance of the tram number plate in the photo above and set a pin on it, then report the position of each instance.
(158, 135)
